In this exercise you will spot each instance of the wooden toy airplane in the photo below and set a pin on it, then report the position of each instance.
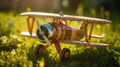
(59, 31)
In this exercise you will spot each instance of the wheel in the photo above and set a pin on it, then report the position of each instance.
(39, 49)
(65, 54)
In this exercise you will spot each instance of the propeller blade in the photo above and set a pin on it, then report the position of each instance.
(38, 25)
(40, 31)
(46, 39)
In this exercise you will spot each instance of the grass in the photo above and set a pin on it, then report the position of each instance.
(16, 50)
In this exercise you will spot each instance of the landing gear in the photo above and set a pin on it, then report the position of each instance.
(65, 54)
(39, 49)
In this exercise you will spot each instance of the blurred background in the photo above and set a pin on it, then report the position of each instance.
(59, 4)
(79, 7)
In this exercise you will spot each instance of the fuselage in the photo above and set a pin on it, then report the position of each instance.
(59, 31)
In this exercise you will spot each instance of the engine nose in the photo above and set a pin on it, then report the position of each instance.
(47, 30)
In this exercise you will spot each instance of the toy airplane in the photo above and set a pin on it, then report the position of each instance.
(58, 31)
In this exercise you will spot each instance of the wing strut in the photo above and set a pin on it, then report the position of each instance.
(88, 36)
(30, 24)
(91, 29)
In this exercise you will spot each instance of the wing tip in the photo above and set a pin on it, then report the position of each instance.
(28, 35)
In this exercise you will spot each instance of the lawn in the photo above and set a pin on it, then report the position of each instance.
(16, 50)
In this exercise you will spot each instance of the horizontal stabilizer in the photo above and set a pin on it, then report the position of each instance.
(85, 44)
(28, 35)
(96, 36)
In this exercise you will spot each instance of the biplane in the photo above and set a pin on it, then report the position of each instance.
(58, 31)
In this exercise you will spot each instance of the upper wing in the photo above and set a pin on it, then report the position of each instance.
(84, 43)
(67, 17)
(28, 34)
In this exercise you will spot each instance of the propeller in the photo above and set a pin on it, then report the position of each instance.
(41, 33)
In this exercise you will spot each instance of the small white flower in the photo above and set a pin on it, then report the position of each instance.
(15, 37)
(4, 39)
(13, 52)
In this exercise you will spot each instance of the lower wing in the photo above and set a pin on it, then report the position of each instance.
(84, 43)
(96, 36)
(28, 35)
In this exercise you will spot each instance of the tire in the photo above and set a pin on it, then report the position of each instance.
(65, 54)
(39, 49)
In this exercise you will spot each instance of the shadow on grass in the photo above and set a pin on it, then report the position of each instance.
(88, 57)
(49, 61)
(93, 57)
